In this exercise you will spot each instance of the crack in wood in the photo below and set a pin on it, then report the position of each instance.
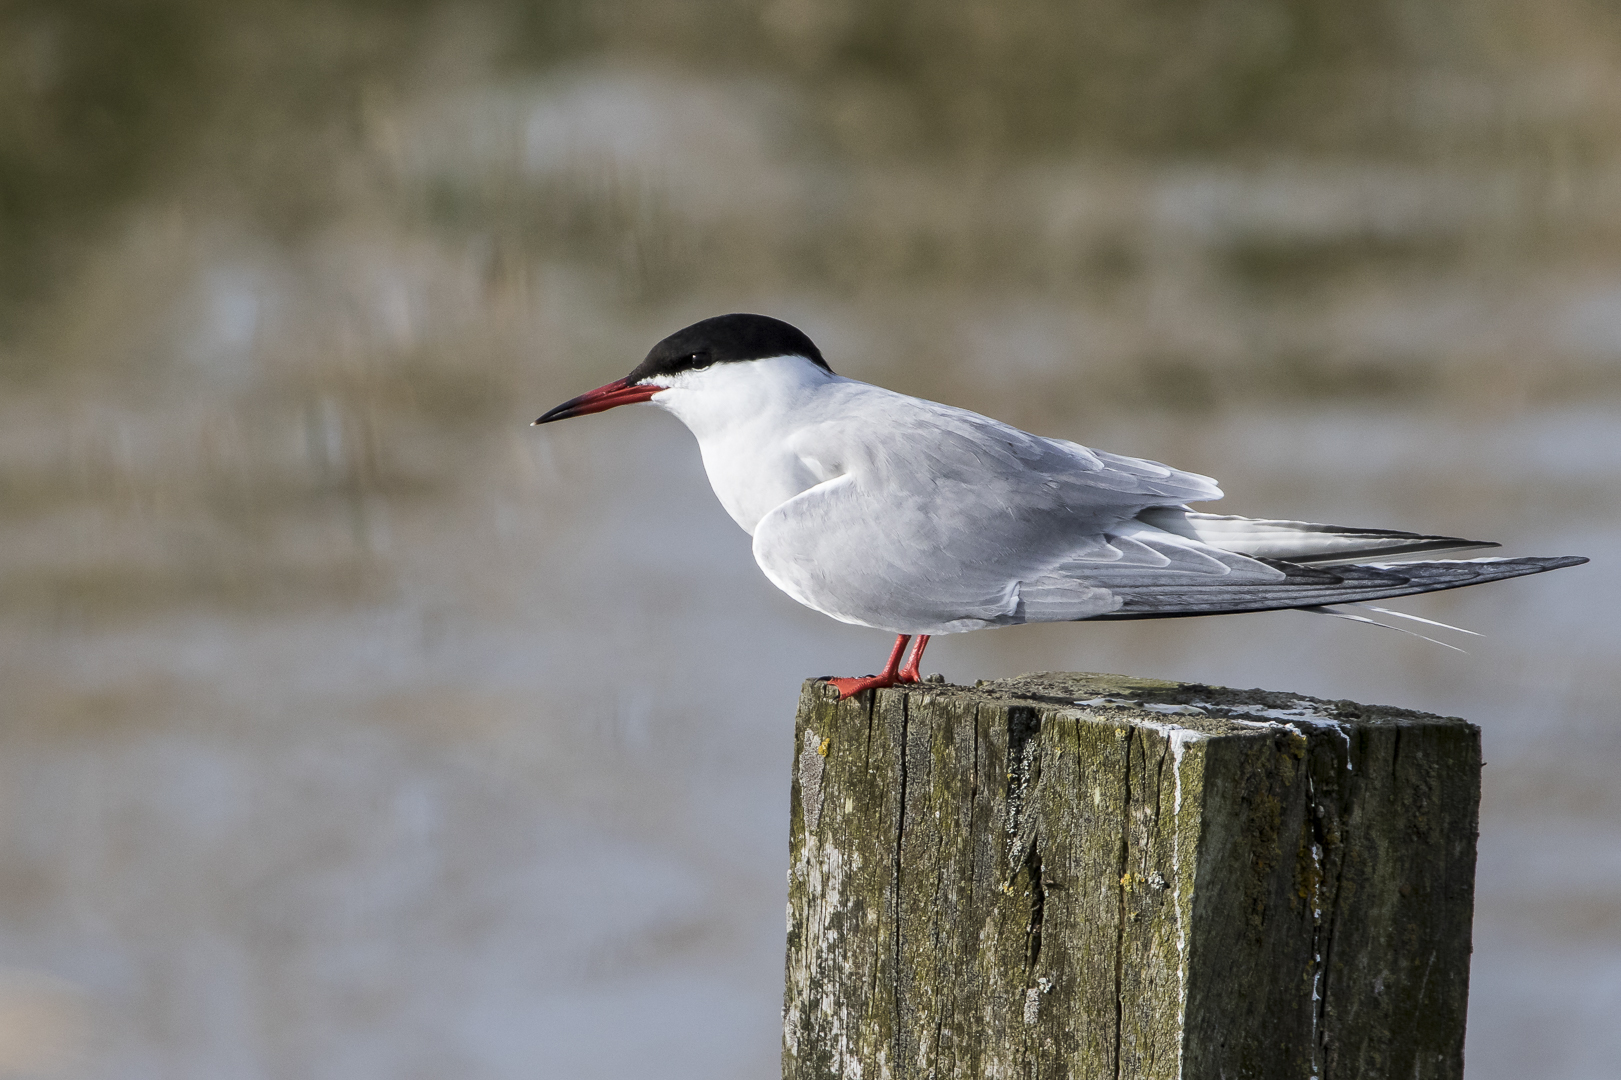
(1122, 890)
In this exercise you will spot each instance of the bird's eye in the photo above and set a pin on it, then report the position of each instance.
(697, 360)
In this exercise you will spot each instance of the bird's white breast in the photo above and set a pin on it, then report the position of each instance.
(745, 417)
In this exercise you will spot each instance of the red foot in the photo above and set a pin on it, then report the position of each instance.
(851, 687)
(890, 677)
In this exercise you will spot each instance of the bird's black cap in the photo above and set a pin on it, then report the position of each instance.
(723, 339)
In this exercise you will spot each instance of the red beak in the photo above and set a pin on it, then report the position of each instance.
(600, 400)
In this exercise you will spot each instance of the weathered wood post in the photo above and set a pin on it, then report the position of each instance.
(1088, 876)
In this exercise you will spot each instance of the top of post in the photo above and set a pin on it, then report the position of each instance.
(1194, 707)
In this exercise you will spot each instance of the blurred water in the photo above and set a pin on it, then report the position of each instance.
(353, 728)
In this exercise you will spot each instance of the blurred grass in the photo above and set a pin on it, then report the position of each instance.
(284, 260)
(262, 106)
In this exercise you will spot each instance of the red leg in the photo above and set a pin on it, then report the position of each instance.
(847, 687)
(909, 673)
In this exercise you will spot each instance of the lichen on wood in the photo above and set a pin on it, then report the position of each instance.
(1089, 876)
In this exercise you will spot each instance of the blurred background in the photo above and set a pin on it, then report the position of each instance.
(350, 727)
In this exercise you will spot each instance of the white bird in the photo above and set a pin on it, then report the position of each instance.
(917, 518)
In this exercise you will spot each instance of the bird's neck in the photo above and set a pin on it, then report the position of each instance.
(744, 416)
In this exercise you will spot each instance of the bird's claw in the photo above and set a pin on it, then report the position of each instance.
(853, 686)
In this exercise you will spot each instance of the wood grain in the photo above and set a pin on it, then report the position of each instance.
(1070, 875)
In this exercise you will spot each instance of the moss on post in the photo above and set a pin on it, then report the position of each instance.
(1088, 876)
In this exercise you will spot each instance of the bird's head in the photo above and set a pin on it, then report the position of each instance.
(688, 357)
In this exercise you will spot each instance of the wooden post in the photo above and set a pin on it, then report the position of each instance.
(1087, 876)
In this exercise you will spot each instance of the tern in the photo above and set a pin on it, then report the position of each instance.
(905, 515)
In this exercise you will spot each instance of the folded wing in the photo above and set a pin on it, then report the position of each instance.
(940, 520)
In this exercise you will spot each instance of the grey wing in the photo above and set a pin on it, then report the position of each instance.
(943, 520)
(1168, 560)
(965, 562)
(1267, 565)
(1262, 565)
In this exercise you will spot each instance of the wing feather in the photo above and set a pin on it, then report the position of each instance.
(1298, 541)
(1305, 586)
(936, 520)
